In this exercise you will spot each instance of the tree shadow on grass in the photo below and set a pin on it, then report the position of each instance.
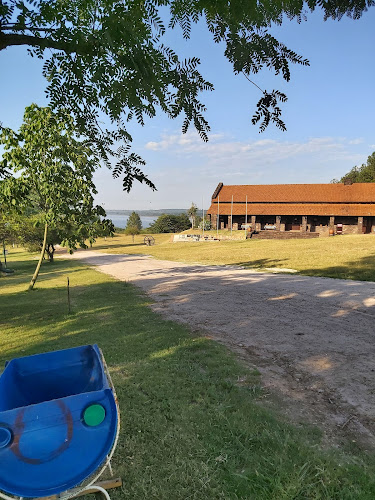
(362, 269)
(109, 313)
(261, 263)
(108, 246)
(190, 427)
(23, 271)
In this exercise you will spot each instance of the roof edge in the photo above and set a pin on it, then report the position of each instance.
(217, 190)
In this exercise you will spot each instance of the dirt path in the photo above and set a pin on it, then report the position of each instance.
(313, 339)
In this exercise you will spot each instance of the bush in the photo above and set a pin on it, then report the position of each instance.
(167, 223)
(206, 224)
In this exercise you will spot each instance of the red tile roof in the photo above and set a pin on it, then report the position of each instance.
(357, 199)
(354, 209)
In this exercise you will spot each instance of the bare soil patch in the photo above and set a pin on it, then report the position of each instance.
(311, 338)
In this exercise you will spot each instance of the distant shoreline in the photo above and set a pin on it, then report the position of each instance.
(148, 213)
(148, 217)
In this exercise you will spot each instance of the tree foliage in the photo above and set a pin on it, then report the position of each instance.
(29, 232)
(168, 223)
(109, 59)
(134, 221)
(52, 172)
(364, 173)
(6, 232)
(192, 214)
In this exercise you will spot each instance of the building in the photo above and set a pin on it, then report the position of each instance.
(297, 208)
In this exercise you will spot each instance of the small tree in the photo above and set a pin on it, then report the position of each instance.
(134, 221)
(132, 231)
(54, 171)
(192, 214)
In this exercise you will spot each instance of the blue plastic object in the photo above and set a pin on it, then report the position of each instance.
(47, 445)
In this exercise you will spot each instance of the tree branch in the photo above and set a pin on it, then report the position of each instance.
(16, 27)
(251, 81)
(16, 39)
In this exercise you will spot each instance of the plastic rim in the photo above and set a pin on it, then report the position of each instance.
(5, 437)
(94, 415)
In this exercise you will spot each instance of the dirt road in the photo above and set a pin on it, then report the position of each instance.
(313, 339)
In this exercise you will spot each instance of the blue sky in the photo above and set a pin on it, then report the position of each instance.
(329, 117)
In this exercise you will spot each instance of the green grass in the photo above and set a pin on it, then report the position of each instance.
(348, 257)
(192, 427)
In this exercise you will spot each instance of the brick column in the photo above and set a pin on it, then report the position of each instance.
(331, 226)
(213, 218)
(229, 221)
(304, 224)
(222, 225)
(278, 222)
(253, 219)
(360, 225)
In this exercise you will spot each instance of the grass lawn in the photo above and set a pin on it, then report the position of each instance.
(191, 424)
(348, 257)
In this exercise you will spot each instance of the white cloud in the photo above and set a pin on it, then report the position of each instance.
(154, 146)
(354, 142)
(188, 142)
(219, 151)
(186, 169)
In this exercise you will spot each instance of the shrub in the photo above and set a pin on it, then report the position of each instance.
(167, 223)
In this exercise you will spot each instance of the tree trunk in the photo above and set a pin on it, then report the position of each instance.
(35, 276)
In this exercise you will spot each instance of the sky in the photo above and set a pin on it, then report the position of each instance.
(329, 117)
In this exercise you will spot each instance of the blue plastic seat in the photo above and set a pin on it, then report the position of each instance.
(58, 421)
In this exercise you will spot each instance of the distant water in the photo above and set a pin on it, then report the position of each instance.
(120, 220)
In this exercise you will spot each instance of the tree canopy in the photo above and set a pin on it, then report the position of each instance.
(107, 58)
(364, 173)
(134, 221)
(192, 214)
(169, 223)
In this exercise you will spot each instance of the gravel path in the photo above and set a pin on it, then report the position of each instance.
(311, 338)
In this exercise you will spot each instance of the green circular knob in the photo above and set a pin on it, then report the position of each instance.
(94, 415)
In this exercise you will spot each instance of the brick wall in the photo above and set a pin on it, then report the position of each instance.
(213, 220)
(284, 235)
(346, 229)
